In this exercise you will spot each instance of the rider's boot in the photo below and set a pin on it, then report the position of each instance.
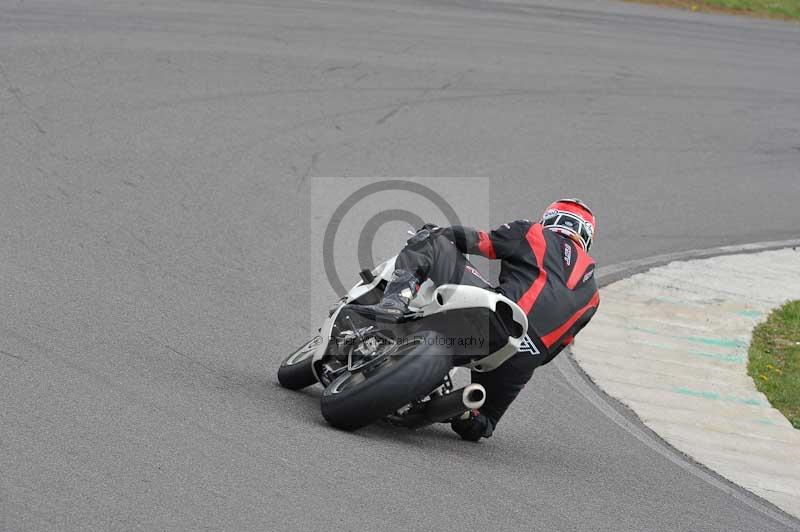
(400, 290)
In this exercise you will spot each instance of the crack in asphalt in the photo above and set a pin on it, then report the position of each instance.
(17, 94)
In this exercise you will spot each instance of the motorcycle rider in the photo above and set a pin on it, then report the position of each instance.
(545, 269)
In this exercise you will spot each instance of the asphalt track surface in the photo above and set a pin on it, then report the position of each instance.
(154, 168)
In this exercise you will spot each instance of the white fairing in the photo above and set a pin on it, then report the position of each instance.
(433, 300)
(453, 296)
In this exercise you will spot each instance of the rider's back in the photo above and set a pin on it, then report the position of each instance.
(552, 279)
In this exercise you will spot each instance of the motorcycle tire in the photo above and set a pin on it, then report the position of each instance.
(295, 372)
(354, 400)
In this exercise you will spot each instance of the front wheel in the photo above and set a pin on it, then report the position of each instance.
(296, 370)
(354, 400)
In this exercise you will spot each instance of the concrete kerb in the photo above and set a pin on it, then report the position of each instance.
(672, 346)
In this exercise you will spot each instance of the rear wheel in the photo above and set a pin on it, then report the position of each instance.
(295, 371)
(354, 400)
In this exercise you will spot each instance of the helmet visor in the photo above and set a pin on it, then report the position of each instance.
(570, 223)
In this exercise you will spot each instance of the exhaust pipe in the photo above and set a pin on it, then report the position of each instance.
(444, 407)
(473, 396)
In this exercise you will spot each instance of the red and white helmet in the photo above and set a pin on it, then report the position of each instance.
(573, 218)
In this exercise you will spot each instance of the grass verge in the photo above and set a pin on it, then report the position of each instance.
(775, 360)
(779, 9)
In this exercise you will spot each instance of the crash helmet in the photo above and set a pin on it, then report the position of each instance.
(572, 218)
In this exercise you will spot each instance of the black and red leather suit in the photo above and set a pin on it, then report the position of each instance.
(547, 274)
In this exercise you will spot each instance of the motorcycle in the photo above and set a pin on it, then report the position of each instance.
(400, 369)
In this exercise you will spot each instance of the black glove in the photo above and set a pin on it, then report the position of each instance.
(424, 233)
(475, 427)
(433, 228)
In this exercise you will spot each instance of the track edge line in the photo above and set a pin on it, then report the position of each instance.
(629, 421)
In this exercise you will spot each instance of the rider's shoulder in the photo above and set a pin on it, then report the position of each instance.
(515, 230)
(517, 224)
